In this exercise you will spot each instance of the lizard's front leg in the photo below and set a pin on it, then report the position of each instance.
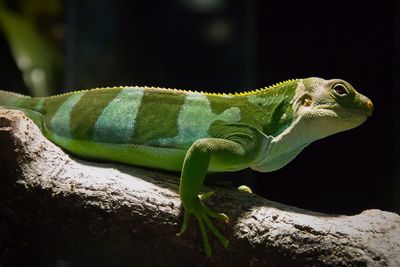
(223, 154)
(193, 172)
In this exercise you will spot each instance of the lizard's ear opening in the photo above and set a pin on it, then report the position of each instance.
(306, 100)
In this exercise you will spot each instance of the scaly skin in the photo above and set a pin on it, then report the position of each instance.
(196, 133)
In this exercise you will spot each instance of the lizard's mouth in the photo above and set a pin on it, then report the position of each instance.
(363, 111)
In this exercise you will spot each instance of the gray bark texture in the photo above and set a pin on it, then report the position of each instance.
(56, 204)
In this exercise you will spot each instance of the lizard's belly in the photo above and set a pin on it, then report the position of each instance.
(139, 155)
(163, 158)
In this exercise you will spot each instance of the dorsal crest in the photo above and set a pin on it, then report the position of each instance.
(235, 94)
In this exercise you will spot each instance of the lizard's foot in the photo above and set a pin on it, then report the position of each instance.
(245, 189)
(203, 214)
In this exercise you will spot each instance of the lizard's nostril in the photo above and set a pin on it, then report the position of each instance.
(370, 105)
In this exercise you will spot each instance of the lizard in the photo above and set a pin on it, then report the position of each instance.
(196, 132)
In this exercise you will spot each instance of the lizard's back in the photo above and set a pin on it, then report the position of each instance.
(134, 125)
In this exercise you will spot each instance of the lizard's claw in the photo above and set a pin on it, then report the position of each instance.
(206, 195)
(217, 215)
(202, 214)
(185, 223)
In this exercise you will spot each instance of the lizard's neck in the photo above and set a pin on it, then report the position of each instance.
(273, 107)
(297, 134)
(285, 147)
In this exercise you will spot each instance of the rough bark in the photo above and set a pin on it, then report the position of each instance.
(54, 203)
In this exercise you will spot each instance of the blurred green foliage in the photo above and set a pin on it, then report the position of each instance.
(33, 49)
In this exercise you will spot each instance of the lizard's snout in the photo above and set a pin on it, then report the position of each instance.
(365, 105)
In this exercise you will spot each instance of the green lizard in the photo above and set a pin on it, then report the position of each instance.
(196, 132)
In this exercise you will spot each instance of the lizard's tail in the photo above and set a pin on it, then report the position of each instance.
(22, 102)
(32, 107)
(9, 99)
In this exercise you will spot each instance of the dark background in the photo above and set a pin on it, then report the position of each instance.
(227, 46)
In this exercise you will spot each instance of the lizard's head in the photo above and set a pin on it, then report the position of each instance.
(331, 106)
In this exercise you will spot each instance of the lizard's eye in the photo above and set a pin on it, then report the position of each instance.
(340, 89)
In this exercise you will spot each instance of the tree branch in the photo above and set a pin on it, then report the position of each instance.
(77, 210)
